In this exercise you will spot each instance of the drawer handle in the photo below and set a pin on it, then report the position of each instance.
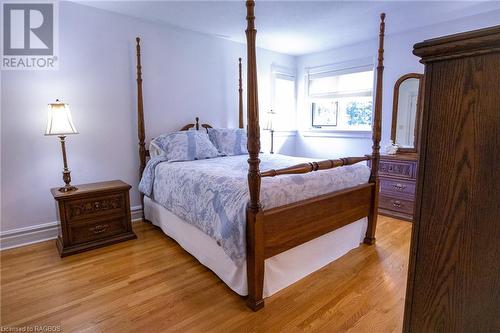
(398, 187)
(397, 204)
(100, 228)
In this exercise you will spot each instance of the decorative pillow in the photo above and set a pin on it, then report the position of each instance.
(229, 141)
(155, 150)
(186, 146)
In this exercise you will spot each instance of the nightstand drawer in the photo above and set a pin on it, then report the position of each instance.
(96, 207)
(397, 205)
(402, 169)
(91, 231)
(397, 187)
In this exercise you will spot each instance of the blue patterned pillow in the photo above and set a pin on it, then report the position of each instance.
(229, 141)
(186, 146)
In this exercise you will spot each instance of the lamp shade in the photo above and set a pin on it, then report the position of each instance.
(59, 120)
(270, 118)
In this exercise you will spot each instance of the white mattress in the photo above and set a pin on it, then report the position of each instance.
(281, 270)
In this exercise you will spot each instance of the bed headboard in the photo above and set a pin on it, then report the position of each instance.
(141, 131)
(196, 126)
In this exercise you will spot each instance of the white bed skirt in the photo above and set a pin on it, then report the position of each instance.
(281, 270)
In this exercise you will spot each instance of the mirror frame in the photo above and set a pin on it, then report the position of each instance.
(395, 101)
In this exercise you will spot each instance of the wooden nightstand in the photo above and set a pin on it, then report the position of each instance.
(95, 215)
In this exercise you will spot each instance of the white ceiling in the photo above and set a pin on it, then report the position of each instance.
(298, 27)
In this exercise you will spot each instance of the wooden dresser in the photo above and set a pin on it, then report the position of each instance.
(398, 175)
(454, 270)
(95, 215)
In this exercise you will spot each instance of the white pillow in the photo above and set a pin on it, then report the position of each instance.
(155, 150)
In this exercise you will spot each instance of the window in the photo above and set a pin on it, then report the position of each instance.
(342, 100)
(283, 101)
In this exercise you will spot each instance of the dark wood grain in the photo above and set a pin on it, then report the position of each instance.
(398, 187)
(255, 238)
(376, 136)
(141, 132)
(472, 43)
(196, 126)
(93, 216)
(398, 175)
(397, 205)
(454, 273)
(292, 225)
(240, 95)
(313, 166)
(398, 167)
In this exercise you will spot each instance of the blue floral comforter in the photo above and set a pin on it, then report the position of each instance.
(212, 194)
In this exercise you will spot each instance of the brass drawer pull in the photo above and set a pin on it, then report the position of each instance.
(399, 187)
(397, 204)
(100, 228)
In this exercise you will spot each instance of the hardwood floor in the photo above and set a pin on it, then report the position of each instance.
(150, 284)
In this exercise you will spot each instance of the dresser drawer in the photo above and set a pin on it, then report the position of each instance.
(397, 187)
(96, 207)
(398, 168)
(397, 205)
(91, 231)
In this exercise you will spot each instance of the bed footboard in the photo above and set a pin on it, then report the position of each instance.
(288, 226)
(279, 229)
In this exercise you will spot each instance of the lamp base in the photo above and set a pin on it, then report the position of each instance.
(68, 188)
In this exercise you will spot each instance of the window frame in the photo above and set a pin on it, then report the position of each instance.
(354, 66)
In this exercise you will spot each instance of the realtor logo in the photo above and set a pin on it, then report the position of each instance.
(29, 38)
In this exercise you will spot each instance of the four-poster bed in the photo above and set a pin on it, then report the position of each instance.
(273, 231)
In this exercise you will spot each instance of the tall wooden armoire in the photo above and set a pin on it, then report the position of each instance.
(454, 270)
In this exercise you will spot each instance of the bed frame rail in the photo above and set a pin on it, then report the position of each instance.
(314, 166)
(288, 226)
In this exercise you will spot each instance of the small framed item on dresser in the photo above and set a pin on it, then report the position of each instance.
(93, 216)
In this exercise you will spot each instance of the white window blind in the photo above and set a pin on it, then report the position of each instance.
(283, 101)
(341, 99)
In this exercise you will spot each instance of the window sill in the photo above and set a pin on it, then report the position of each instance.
(324, 133)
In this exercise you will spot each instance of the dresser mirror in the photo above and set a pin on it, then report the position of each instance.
(406, 112)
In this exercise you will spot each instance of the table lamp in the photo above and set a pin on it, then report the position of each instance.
(269, 127)
(59, 123)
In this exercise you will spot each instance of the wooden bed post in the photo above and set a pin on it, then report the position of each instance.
(255, 232)
(240, 95)
(376, 134)
(141, 132)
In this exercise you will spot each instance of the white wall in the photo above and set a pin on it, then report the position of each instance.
(186, 74)
(399, 60)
